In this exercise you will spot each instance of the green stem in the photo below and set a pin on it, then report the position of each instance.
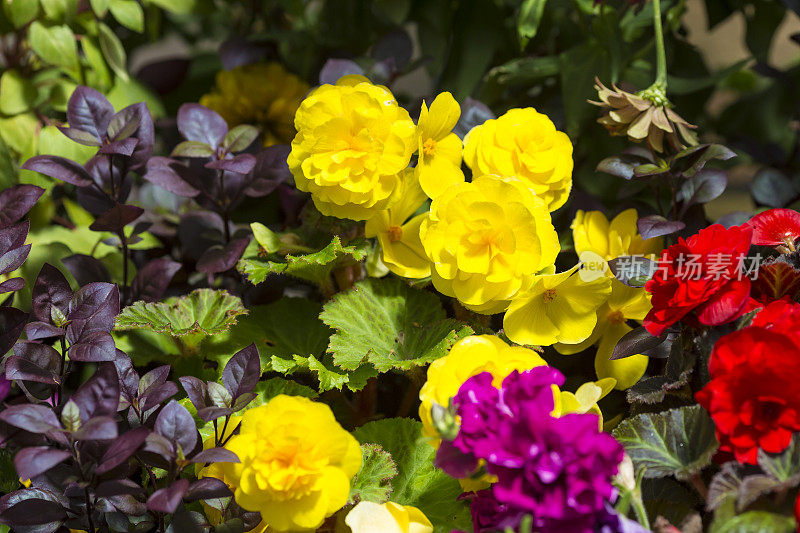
(639, 510)
(661, 55)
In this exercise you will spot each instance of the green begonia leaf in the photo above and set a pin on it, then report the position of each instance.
(373, 481)
(677, 442)
(389, 325)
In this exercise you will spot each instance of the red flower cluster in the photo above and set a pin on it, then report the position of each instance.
(754, 392)
(700, 279)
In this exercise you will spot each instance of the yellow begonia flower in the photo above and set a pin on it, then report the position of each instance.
(263, 94)
(558, 308)
(584, 400)
(369, 517)
(439, 163)
(467, 358)
(523, 143)
(487, 239)
(592, 232)
(401, 247)
(625, 303)
(352, 143)
(296, 463)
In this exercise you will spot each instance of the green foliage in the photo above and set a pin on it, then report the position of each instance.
(373, 480)
(678, 442)
(203, 311)
(418, 482)
(389, 325)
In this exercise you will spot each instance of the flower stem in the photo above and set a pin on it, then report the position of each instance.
(639, 510)
(661, 55)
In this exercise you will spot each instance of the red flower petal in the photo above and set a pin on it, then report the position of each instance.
(775, 227)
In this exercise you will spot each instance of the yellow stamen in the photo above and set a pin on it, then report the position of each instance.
(395, 233)
(615, 317)
(549, 295)
(429, 147)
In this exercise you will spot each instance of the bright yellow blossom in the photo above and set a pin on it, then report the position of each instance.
(352, 143)
(524, 143)
(625, 303)
(439, 163)
(584, 400)
(390, 517)
(401, 247)
(296, 463)
(558, 308)
(467, 358)
(263, 94)
(592, 232)
(487, 239)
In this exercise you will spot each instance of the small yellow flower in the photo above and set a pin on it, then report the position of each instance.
(625, 303)
(263, 94)
(558, 308)
(592, 232)
(296, 463)
(584, 400)
(352, 143)
(401, 247)
(439, 163)
(524, 143)
(369, 517)
(487, 239)
(467, 358)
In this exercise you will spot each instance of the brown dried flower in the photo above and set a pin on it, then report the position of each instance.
(646, 116)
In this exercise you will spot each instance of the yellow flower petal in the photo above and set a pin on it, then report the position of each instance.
(438, 121)
(626, 371)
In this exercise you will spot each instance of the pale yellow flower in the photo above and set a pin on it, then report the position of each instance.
(390, 517)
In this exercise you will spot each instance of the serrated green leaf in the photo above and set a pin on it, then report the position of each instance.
(677, 442)
(267, 390)
(783, 466)
(128, 13)
(754, 522)
(204, 311)
(389, 325)
(55, 45)
(373, 480)
(113, 50)
(418, 482)
(314, 267)
(18, 93)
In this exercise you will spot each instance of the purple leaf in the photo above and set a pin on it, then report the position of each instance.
(90, 111)
(165, 173)
(157, 394)
(242, 372)
(128, 378)
(122, 147)
(207, 488)
(122, 449)
(270, 171)
(99, 395)
(703, 187)
(16, 201)
(152, 379)
(207, 414)
(195, 389)
(41, 355)
(215, 455)
(97, 428)
(176, 425)
(79, 136)
(153, 279)
(12, 260)
(86, 269)
(198, 123)
(166, 500)
(12, 322)
(117, 487)
(11, 285)
(94, 347)
(333, 69)
(219, 259)
(116, 218)
(51, 289)
(240, 164)
(238, 51)
(21, 369)
(5, 388)
(42, 330)
(93, 308)
(12, 237)
(634, 342)
(30, 462)
(657, 226)
(31, 417)
(126, 122)
(160, 446)
(59, 168)
(34, 512)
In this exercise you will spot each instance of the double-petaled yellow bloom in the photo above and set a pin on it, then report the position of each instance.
(487, 239)
(439, 163)
(524, 143)
(296, 463)
(558, 308)
(352, 143)
(398, 234)
(263, 94)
